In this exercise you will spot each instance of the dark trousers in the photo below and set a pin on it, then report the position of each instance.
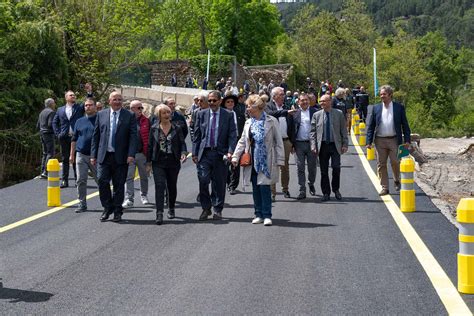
(233, 177)
(329, 151)
(65, 143)
(111, 170)
(47, 144)
(363, 112)
(212, 168)
(165, 178)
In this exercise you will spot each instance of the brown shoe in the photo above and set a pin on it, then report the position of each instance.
(383, 192)
(397, 186)
(205, 214)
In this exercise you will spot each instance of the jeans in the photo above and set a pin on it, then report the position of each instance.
(83, 165)
(262, 198)
(165, 179)
(47, 144)
(140, 163)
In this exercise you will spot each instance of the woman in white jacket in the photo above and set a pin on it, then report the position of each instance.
(262, 139)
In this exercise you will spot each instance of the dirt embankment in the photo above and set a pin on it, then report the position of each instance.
(448, 175)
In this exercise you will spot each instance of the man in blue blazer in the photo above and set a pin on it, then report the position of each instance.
(385, 127)
(215, 138)
(114, 144)
(63, 126)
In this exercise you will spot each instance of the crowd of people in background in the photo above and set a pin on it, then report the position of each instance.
(236, 134)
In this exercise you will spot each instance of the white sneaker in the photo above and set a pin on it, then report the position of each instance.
(145, 200)
(127, 204)
(267, 222)
(257, 220)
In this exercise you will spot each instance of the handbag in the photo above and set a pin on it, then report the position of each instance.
(245, 160)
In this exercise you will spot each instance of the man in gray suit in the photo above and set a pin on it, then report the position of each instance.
(329, 140)
(114, 145)
(215, 138)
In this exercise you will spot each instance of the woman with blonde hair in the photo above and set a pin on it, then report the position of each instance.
(261, 139)
(166, 151)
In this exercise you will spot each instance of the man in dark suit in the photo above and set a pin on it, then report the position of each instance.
(231, 103)
(385, 127)
(215, 138)
(63, 125)
(114, 144)
(300, 128)
(329, 140)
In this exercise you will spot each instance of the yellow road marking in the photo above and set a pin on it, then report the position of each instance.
(47, 212)
(447, 292)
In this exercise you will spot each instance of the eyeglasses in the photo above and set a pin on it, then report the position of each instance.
(212, 101)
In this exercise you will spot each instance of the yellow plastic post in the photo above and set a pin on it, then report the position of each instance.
(54, 194)
(465, 219)
(362, 136)
(371, 153)
(407, 192)
(354, 111)
(356, 125)
(353, 120)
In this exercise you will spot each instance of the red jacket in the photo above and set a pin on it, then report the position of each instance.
(144, 124)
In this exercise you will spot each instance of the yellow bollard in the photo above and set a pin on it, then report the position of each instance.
(353, 120)
(354, 111)
(362, 137)
(356, 125)
(54, 194)
(465, 219)
(407, 191)
(371, 153)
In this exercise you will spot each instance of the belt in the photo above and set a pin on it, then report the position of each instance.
(210, 148)
(386, 136)
(303, 141)
(328, 143)
(286, 138)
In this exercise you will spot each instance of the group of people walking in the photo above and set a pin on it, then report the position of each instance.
(226, 136)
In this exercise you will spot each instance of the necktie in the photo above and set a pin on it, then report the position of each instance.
(114, 127)
(328, 128)
(212, 140)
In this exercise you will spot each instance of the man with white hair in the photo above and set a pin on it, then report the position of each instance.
(276, 108)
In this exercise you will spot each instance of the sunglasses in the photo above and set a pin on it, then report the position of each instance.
(138, 108)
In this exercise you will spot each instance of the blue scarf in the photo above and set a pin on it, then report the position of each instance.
(257, 127)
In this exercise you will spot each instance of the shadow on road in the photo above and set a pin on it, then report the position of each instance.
(16, 296)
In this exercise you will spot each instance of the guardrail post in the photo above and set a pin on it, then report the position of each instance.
(465, 217)
(54, 194)
(407, 192)
(362, 137)
(356, 124)
(371, 153)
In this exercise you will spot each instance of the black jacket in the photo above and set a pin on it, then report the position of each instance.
(178, 144)
(45, 121)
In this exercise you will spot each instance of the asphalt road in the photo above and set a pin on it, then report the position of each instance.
(339, 257)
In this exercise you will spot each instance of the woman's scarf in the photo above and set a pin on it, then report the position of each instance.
(257, 127)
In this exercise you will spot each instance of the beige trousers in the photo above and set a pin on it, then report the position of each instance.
(284, 170)
(387, 147)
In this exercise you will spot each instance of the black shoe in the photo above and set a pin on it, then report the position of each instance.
(273, 198)
(64, 184)
(301, 196)
(171, 214)
(117, 218)
(338, 195)
(159, 219)
(105, 216)
(325, 198)
(286, 194)
(232, 192)
(312, 190)
(81, 209)
(397, 186)
(217, 216)
(43, 176)
(205, 214)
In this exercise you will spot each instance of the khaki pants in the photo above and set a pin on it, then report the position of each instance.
(284, 170)
(387, 147)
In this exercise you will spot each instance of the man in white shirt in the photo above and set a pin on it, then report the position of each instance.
(300, 127)
(276, 108)
(385, 130)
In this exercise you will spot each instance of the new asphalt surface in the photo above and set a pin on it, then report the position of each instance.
(338, 257)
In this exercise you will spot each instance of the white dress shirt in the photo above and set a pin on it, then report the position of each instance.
(110, 148)
(283, 123)
(305, 126)
(387, 124)
(69, 115)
